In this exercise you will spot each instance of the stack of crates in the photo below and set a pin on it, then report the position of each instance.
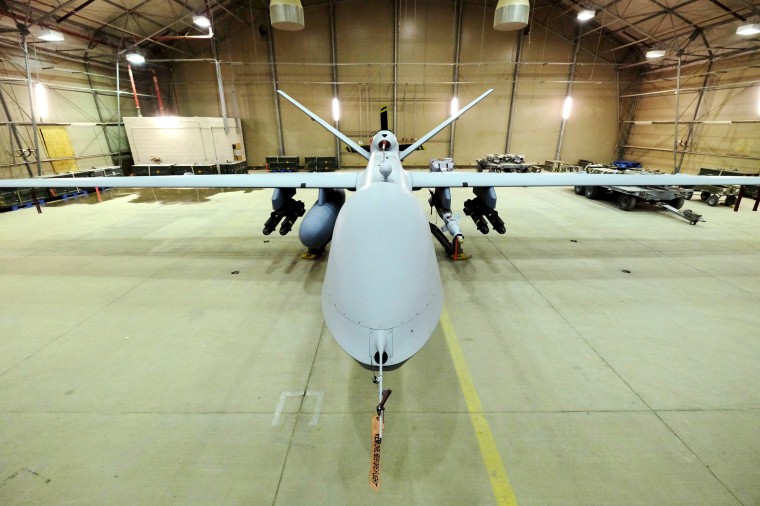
(321, 163)
(282, 163)
(240, 167)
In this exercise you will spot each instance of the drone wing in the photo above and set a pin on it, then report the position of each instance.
(345, 180)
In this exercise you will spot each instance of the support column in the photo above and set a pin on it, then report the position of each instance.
(100, 113)
(273, 68)
(118, 108)
(678, 106)
(334, 56)
(396, 19)
(15, 135)
(558, 152)
(33, 114)
(457, 51)
(220, 86)
(690, 133)
(513, 95)
(625, 128)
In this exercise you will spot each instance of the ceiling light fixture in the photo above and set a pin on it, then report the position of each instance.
(202, 21)
(286, 15)
(511, 15)
(655, 53)
(454, 106)
(752, 27)
(49, 35)
(586, 14)
(134, 56)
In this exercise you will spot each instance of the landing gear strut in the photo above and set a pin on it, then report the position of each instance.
(454, 247)
(440, 199)
(382, 396)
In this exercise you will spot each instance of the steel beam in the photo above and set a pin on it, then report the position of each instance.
(457, 53)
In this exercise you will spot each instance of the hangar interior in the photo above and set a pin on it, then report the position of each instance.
(155, 348)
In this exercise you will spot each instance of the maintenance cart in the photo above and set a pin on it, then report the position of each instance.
(713, 193)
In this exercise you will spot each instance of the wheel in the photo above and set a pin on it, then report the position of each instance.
(677, 203)
(731, 200)
(704, 195)
(580, 190)
(627, 202)
(591, 192)
(712, 200)
(689, 196)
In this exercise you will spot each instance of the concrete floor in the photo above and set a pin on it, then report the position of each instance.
(146, 343)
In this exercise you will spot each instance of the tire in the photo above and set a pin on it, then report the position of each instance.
(704, 195)
(677, 203)
(731, 200)
(689, 196)
(580, 190)
(591, 192)
(713, 200)
(627, 202)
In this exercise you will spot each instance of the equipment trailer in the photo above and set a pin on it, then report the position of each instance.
(670, 198)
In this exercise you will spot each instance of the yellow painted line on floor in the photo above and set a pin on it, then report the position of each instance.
(502, 490)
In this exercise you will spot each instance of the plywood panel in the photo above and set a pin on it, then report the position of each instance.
(58, 145)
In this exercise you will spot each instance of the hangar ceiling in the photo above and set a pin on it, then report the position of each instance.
(96, 30)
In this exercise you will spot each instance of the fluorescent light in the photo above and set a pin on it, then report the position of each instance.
(336, 109)
(655, 53)
(201, 21)
(41, 101)
(49, 35)
(454, 106)
(168, 121)
(567, 107)
(642, 122)
(586, 14)
(717, 122)
(135, 57)
(748, 29)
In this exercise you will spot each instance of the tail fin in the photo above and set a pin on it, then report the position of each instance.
(408, 151)
(384, 117)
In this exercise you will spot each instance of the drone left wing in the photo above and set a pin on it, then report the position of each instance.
(278, 180)
(479, 179)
